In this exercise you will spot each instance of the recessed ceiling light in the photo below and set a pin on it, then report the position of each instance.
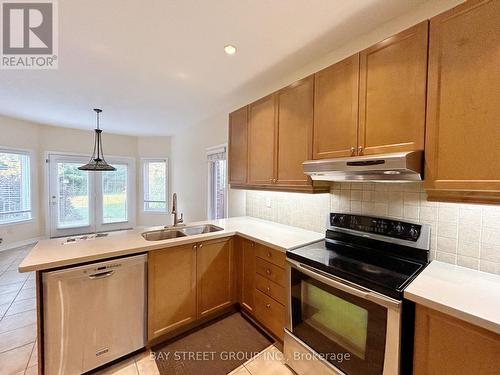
(230, 49)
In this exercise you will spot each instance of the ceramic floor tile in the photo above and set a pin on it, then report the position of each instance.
(34, 356)
(15, 361)
(20, 306)
(146, 365)
(240, 371)
(9, 288)
(17, 337)
(126, 367)
(11, 277)
(268, 362)
(22, 319)
(29, 284)
(26, 294)
(3, 309)
(7, 297)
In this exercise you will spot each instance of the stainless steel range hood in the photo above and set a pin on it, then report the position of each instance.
(399, 166)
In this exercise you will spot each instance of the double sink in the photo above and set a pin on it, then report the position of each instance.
(173, 232)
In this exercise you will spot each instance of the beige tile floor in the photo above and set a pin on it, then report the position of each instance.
(18, 353)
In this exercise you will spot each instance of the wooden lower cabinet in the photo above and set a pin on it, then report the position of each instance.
(214, 268)
(447, 345)
(171, 289)
(247, 273)
(270, 313)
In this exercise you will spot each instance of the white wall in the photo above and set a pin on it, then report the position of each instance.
(188, 148)
(40, 139)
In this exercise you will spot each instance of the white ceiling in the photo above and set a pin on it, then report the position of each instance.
(156, 66)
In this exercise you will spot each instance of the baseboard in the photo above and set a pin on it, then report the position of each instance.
(13, 245)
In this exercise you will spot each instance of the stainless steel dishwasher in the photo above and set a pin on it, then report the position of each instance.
(93, 314)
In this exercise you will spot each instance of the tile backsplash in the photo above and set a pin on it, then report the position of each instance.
(463, 234)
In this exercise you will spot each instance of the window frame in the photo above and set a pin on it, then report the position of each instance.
(209, 151)
(29, 154)
(144, 189)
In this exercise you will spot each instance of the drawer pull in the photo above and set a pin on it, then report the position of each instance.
(268, 271)
(268, 306)
(269, 255)
(268, 289)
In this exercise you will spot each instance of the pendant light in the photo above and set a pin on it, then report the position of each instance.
(97, 162)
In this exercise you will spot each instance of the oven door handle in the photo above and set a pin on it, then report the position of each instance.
(367, 294)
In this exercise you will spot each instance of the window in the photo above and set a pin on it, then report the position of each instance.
(155, 185)
(15, 195)
(114, 195)
(217, 182)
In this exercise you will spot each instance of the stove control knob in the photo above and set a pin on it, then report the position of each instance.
(398, 228)
(414, 233)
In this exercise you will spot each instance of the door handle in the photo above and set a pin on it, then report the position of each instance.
(102, 275)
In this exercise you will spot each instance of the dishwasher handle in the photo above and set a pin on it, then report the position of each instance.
(102, 275)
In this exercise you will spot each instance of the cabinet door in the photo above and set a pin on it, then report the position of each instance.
(214, 261)
(336, 109)
(295, 125)
(171, 289)
(392, 93)
(463, 131)
(446, 345)
(238, 146)
(247, 273)
(262, 141)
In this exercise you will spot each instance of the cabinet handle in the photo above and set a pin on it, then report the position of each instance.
(268, 289)
(353, 151)
(269, 255)
(268, 305)
(360, 150)
(200, 245)
(195, 247)
(268, 271)
(253, 243)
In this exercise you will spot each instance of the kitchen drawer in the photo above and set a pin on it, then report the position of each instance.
(273, 256)
(270, 288)
(270, 271)
(270, 313)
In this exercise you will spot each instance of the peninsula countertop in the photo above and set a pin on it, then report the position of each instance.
(53, 253)
(466, 294)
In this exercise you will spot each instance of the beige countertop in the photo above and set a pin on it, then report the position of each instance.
(54, 253)
(467, 294)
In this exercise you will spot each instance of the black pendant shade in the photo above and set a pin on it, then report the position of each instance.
(97, 162)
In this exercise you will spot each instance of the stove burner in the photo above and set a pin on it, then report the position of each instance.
(371, 269)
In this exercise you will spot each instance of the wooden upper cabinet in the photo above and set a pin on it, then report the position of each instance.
(392, 93)
(261, 141)
(171, 289)
(336, 109)
(295, 128)
(463, 130)
(214, 263)
(238, 149)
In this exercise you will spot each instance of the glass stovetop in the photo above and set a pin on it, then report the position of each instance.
(382, 273)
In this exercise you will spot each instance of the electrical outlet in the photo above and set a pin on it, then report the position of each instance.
(268, 202)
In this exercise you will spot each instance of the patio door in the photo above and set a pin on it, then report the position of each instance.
(85, 202)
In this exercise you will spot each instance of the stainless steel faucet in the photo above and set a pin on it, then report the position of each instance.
(180, 220)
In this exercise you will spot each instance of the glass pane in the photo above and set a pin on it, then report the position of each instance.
(114, 190)
(155, 186)
(15, 199)
(338, 319)
(217, 188)
(73, 200)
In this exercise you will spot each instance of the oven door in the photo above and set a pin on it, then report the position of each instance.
(351, 328)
